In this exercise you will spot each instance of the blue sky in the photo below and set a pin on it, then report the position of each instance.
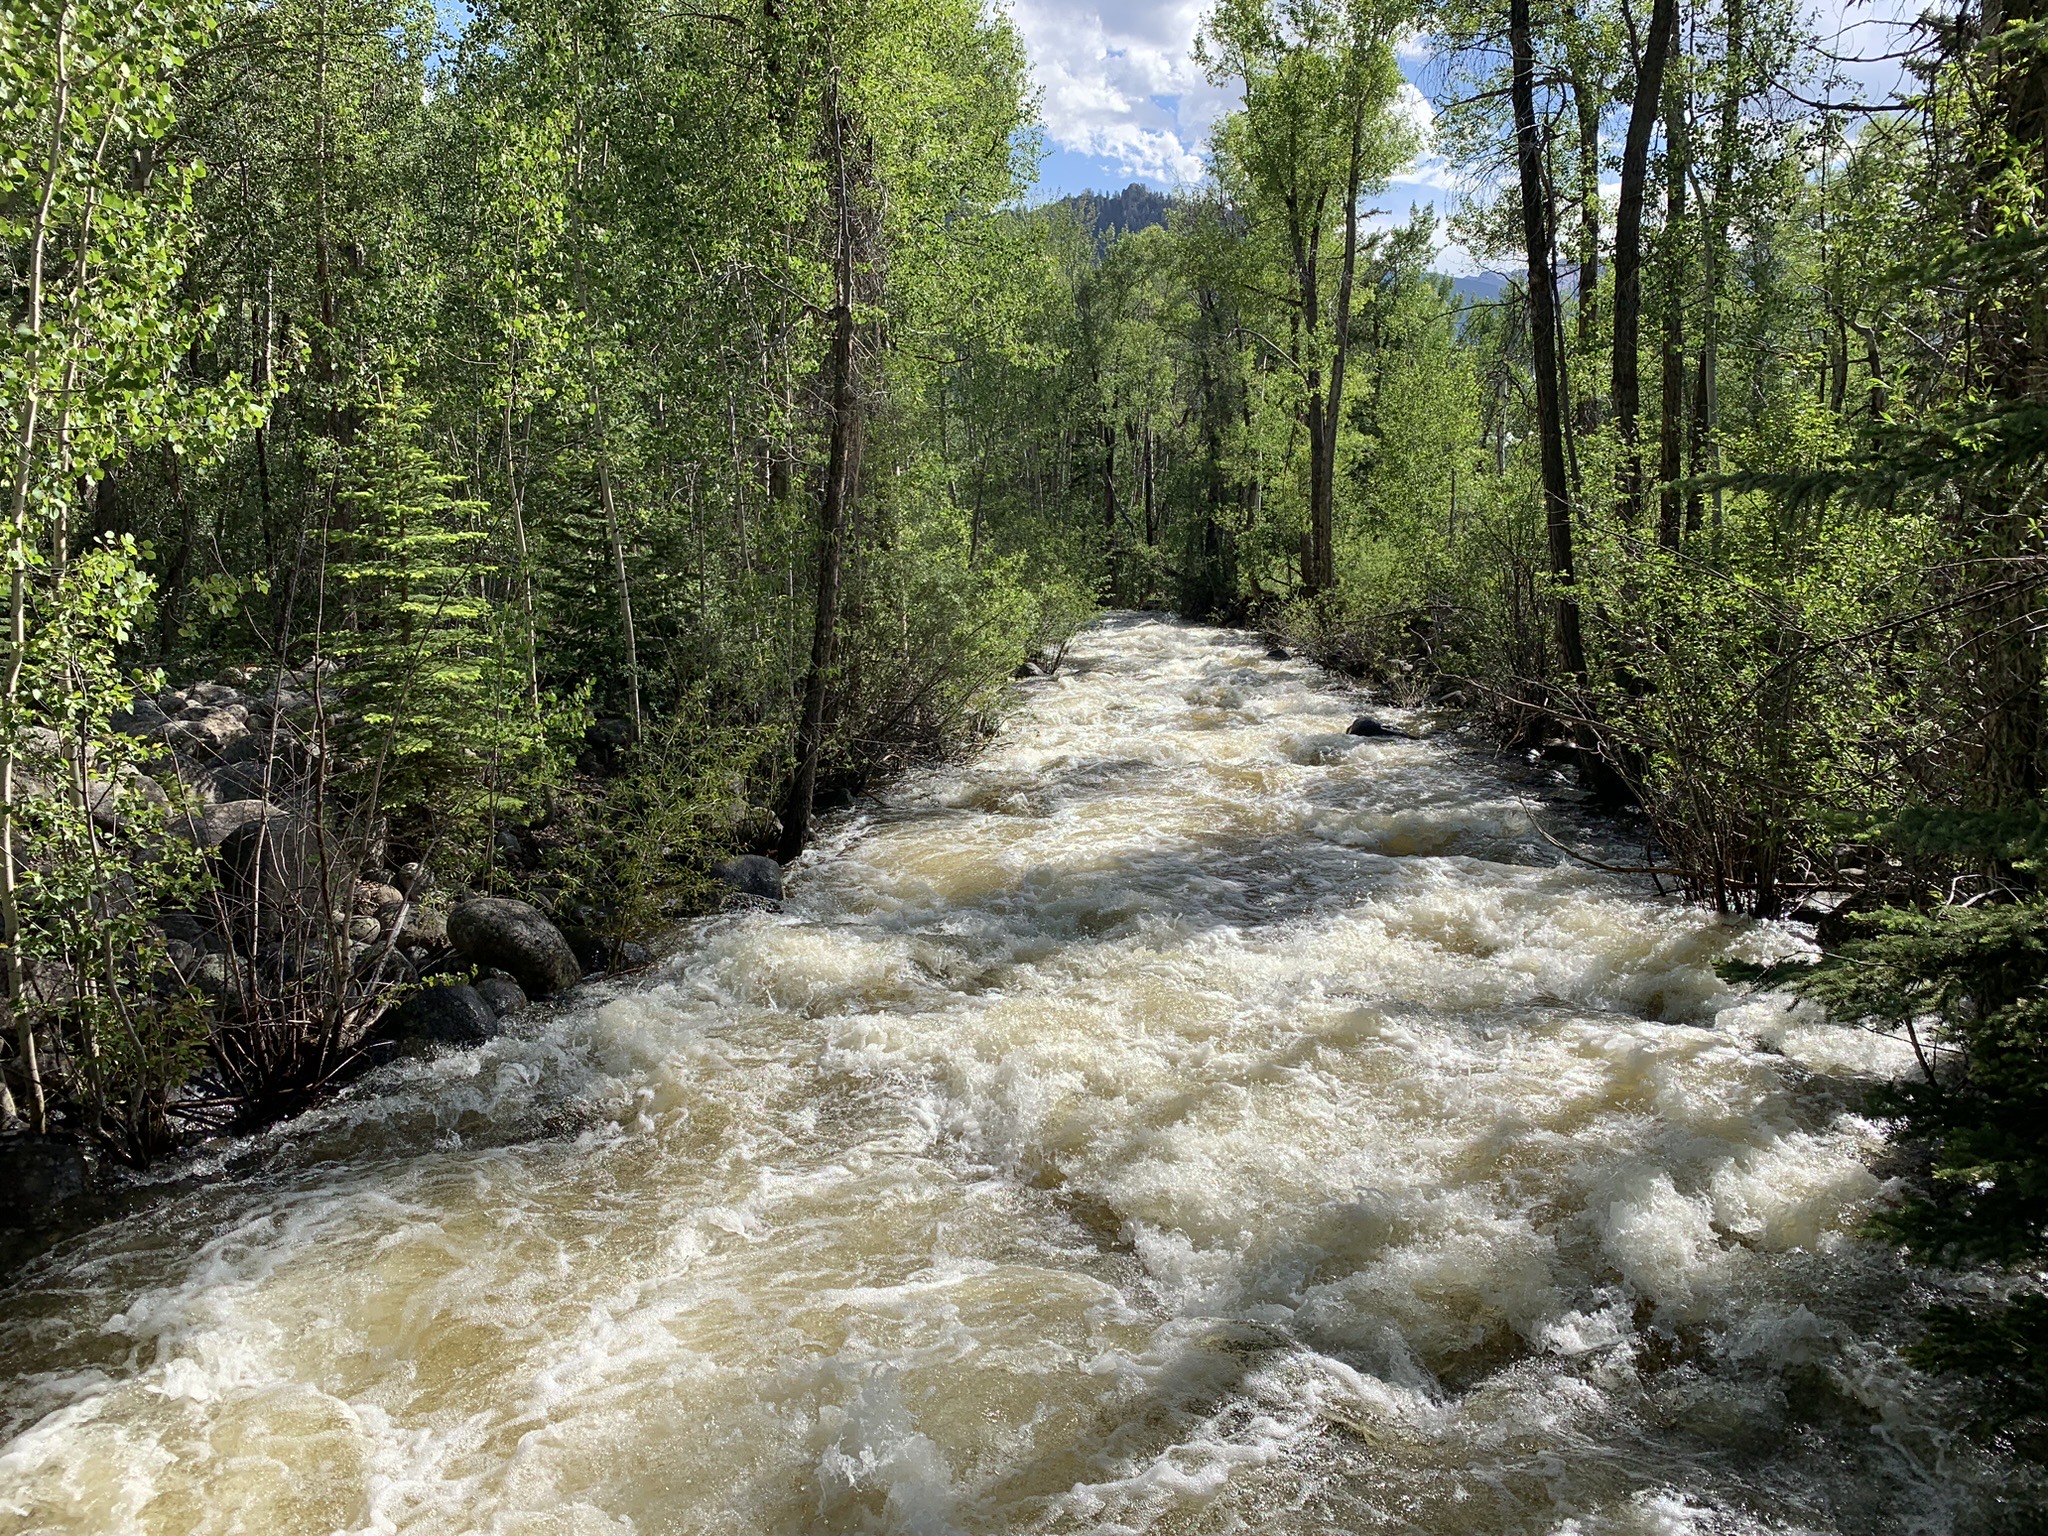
(1123, 99)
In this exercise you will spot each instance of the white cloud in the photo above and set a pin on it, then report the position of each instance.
(1120, 84)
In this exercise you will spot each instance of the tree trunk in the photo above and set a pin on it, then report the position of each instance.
(2005, 654)
(1628, 251)
(1323, 518)
(616, 535)
(1586, 101)
(841, 473)
(1707, 398)
(1671, 423)
(17, 604)
(1536, 227)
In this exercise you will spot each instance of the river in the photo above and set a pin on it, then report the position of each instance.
(1185, 1117)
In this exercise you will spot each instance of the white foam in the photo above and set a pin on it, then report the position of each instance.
(1186, 1116)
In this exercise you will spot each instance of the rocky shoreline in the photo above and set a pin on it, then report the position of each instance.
(303, 932)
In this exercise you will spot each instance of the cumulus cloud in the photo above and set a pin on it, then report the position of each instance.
(1120, 84)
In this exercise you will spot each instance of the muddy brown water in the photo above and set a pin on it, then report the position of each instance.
(1183, 1118)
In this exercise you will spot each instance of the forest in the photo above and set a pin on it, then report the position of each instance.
(558, 450)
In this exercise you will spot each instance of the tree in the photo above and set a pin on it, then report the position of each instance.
(1318, 130)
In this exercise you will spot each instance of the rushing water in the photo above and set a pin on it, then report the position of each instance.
(1186, 1118)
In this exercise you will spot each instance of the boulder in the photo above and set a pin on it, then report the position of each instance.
(38, 1174)
(497, 931)
(249, 779)
(217, 823)
(364, 930)
(751, 874)
(454, 1015)
(111, 802)
(1278, 653)
(428, 930)
(1029, 669)
(145, 719)
(1365, 725)
(270, 867)
(206, 736)
(502, 994)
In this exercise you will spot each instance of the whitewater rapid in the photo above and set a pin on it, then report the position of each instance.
(1186, 1117)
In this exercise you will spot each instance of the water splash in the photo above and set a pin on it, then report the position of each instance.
(1185, 1118)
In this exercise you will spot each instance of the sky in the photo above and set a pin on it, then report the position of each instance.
(1123, 99)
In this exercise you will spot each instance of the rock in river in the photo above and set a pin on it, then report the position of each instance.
(441, 1016)
(751, 874)
(496, 931)
(37, 1174)
(502, 994)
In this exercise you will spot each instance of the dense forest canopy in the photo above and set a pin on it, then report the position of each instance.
(575, 448)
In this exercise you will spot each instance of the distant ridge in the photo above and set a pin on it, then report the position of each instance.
(1122, 213)
(1480, 287)
(1107, 216)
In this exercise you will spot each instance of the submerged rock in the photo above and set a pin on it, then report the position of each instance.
(751, 874)
(514, 937)
(456, 1015)
(503, 995)
(38, 1174)
(1365, 725)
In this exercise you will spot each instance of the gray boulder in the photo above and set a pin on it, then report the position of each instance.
(113, 802)
(207, 736)
(270, 867)
(440, 1016)
(38, 1174)
(514, 937)
(249, 779)
(426, 929)
(502, 993)
(142, 720)
(217, 823)
(751, 874)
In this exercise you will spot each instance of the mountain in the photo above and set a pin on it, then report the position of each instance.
(1480, 287)
(1122, 213)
